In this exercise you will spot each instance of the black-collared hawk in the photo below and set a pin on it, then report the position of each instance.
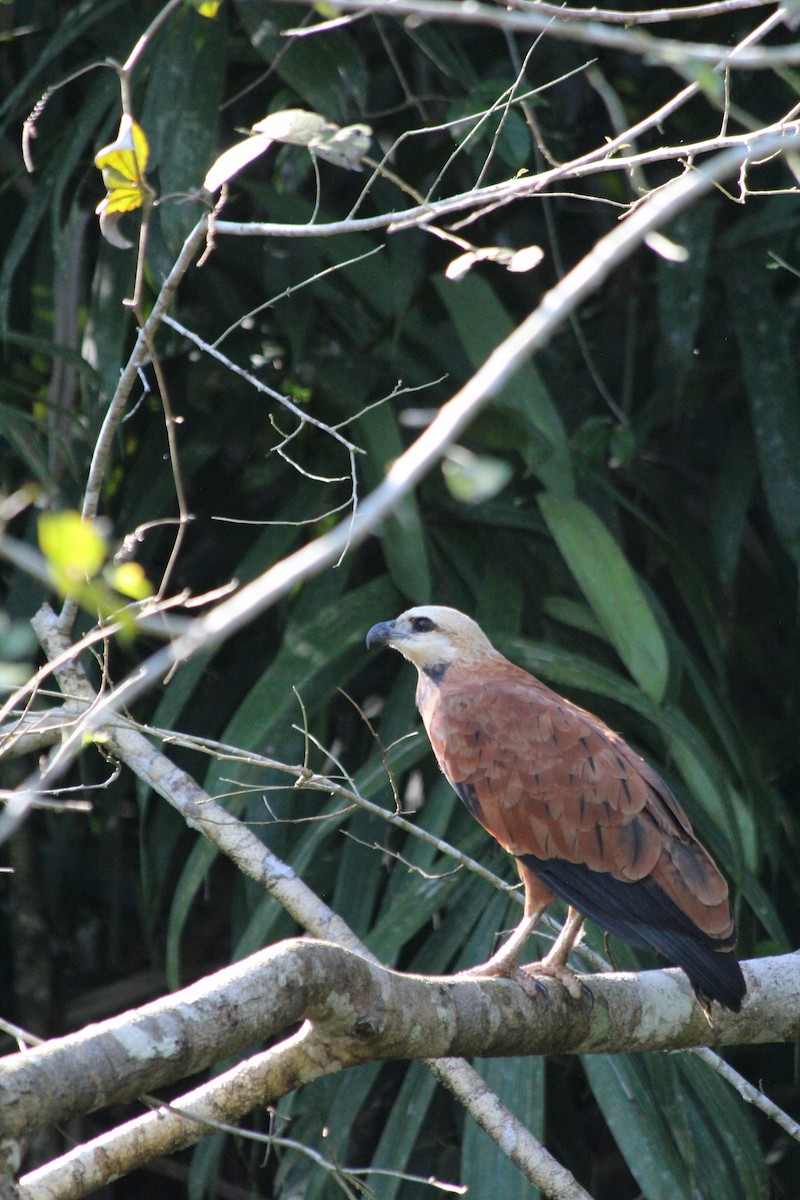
(584, 816)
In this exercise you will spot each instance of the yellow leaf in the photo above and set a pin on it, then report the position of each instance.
(209, 8)
(95, 738)
(74, 548)
(121, 200)
(130, 579)
(123, 165)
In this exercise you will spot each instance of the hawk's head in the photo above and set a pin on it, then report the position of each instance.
(433, 636)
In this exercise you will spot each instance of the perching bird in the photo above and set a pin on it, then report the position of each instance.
(584, 816)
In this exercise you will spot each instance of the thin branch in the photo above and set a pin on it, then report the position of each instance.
(170, 425)
(153, 618)
(595, 162)
(196, 807)
(304, 417)
(609, 16)
(749, 1093)
(291, 289)
(341, 1175)
(667, 52)
(472, 1091)
(116, 409)
(251, 856)
(656, 16)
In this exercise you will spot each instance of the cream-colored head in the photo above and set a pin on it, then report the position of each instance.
(433, 636)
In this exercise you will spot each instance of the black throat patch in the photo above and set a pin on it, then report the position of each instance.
(436, 673)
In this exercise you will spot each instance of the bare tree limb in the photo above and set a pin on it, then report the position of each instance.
(354, 1011)
(667, 52)
(654, 16)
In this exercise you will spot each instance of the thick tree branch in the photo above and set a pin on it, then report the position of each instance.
(357, 1011)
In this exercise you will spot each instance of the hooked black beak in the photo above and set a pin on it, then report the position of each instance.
(380, 634)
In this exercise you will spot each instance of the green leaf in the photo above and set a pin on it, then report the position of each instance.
(705, 778)
(317, 655)
(402, 1131)
(180, 113)
(520, 1084)
(403, 537)
(474, 478)
(681, 1128)
(681, 289)
(482, 323)
(74, 548)
(768, 356)
(564, 669)
(733, 496)
(503, 129)
(62, 34)
(326, 72)
(268, 920)
(610, 585)
(82, 129)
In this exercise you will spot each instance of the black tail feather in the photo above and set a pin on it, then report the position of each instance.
(714, 974)
(643, 916)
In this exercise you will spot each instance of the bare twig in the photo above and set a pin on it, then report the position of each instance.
(116, 409)
(656, 16)
(667, 52)
(752, 1095)
(481, 200)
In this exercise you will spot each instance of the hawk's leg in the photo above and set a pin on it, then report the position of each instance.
(555, 961)
(504, 961)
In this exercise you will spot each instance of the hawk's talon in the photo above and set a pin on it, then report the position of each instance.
(567, 978)
(534, 987)
(525, 979)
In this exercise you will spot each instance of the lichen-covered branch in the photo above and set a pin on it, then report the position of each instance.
(355, 1011)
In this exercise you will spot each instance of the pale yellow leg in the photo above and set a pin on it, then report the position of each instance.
(555, 961)
(504, 961)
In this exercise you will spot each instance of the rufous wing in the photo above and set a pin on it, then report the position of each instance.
(585, 815)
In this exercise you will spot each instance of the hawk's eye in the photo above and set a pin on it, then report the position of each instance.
(422, 624)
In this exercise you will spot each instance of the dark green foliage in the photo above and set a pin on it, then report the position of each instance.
(643, 557)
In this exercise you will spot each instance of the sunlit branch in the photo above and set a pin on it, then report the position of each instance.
(667, 52)
(655, 16)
